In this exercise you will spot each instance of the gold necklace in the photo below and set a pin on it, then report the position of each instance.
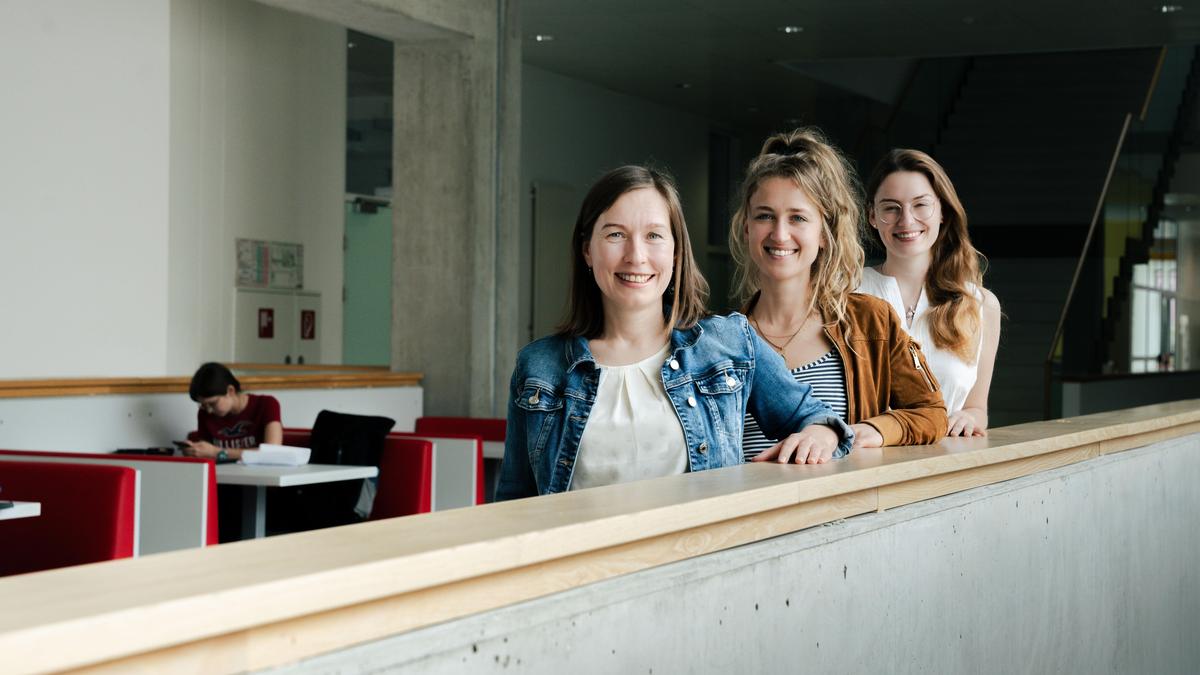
(780, 348)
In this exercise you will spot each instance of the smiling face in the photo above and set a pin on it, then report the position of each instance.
(631, 251)
(907, 214)
(784, 230)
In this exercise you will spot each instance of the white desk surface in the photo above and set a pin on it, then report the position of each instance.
(21, 510)
(285, 476)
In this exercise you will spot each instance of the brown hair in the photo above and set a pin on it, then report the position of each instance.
(805, 157)
(684, 301)
(954, 314)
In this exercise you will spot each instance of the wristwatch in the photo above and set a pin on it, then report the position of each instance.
(222, 456)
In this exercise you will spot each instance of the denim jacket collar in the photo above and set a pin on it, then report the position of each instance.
(578, 351)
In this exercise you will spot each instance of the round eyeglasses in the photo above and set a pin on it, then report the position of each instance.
(890, 213)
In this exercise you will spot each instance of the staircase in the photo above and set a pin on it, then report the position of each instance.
(1136, 249)
(1028, 144)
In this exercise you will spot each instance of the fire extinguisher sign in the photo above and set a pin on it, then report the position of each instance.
(266, 323)
(308, 324)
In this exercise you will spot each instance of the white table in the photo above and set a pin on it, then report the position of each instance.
(21, 510)
(257, 478)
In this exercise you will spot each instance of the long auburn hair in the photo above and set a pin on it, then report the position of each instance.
(954, 316)
(806, 158)
(685, 298)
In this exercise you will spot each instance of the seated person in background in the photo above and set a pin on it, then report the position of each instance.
(230, 420)
(640, 382)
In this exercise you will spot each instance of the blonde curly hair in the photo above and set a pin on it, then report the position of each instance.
(817, 167)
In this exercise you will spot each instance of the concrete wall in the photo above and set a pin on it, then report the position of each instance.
(1088, 568)
(1115, 393)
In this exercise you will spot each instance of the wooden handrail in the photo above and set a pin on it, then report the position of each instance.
(1048, 365)
(268, 602)
(174, 385)
(1162, 56)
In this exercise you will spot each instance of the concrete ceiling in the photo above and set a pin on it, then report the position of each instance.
(731, 63)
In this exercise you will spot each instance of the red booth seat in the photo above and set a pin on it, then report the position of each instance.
(89, 514)
(489, 429)
(405, 483)
(210, 519)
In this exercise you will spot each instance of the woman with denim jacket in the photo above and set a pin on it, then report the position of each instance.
(796, 240)
(638, 382)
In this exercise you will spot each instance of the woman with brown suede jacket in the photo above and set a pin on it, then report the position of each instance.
(796, 241)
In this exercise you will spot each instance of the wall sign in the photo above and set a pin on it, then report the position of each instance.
(266, 323)
(269, 264)
(308, 324)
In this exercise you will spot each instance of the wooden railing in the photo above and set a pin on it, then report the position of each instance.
(311, 378)
(268, 602)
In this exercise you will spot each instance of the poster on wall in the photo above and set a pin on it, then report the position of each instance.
(269, 264)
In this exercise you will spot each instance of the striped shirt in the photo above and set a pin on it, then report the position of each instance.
(828, 381)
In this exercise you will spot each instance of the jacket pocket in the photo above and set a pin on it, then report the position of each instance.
(721, 395)
(542, 408)
(912, 349)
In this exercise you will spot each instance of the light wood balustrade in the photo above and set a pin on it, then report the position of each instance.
(262, 603)
(298, 377)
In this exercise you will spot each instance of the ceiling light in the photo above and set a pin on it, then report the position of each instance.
(683, 85)
(790, 30)
(543, 37)
(1171, 9)
(350, 46)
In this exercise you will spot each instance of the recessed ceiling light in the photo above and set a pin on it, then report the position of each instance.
(683, 85)
(350, 46)
(1171, 9)
(543, 37)
(790, 30)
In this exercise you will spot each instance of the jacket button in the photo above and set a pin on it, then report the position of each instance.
(729, 381)
(692, 401)
(533, 400)
(703, 447)
(674, 364)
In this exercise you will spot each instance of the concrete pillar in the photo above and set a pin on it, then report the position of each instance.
(454, 308)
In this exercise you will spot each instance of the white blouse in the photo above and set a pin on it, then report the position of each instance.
(956, 376)
(632, 432)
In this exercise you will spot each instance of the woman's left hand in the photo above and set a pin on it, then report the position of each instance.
(813, 444)
(963, 423)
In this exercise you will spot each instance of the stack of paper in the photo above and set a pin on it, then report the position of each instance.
(280, 455)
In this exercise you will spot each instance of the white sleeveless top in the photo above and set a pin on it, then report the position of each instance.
(632, 432)
(956, 376)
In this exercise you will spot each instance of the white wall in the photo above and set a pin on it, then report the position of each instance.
(106, 423)
(572, 132)
(83, 187)
(258, 99)
(138, 139)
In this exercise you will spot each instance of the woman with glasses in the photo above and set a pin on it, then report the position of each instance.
(796, 240)
(932, 278)
(640, 382)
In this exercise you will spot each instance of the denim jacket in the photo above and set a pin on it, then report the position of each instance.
(716, 372)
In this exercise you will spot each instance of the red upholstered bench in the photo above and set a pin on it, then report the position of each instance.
(405, 483)
(210, 520)
(488, 429)
(88, 515)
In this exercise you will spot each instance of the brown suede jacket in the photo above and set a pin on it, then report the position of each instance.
(888, 383)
